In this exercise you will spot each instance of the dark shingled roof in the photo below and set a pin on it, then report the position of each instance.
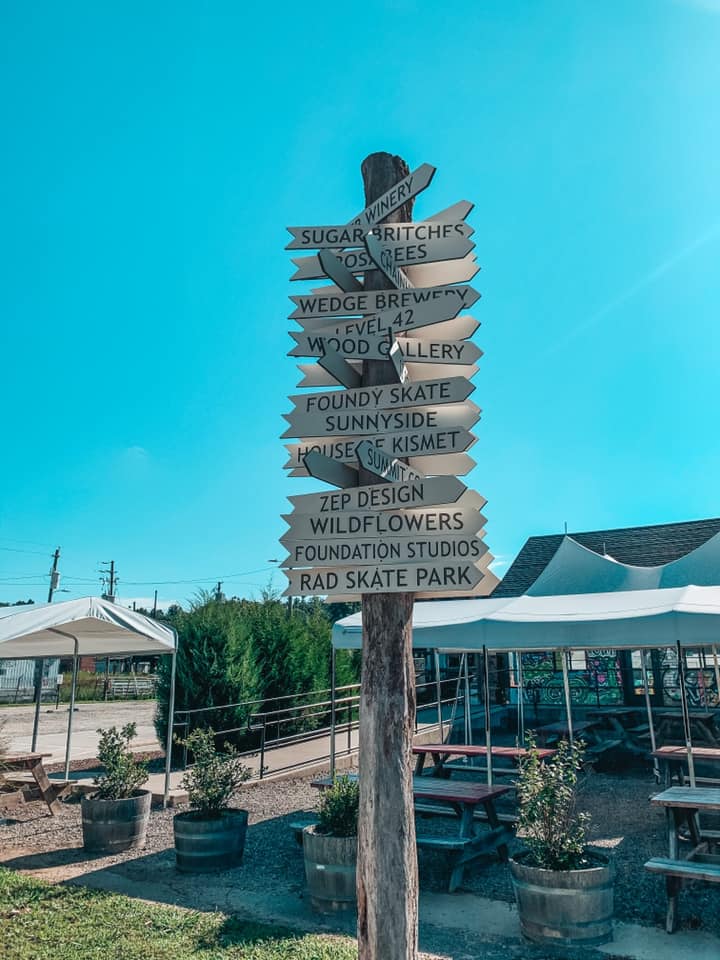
(640, 546)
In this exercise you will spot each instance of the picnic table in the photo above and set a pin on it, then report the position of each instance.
(462, 799)
(703, 726)
(682, 806)
(33, 763)
(621, 723)
(441, 753)
(674, 760)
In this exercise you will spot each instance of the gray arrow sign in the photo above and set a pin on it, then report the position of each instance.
(430, 578)
(341, 304)
(423, 492)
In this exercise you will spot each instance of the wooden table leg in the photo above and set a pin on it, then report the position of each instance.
(672, 887)
(47, 790)
(419, 764)
(673, 822)
(496, 825)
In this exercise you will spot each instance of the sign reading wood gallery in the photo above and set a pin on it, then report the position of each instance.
(415, 528)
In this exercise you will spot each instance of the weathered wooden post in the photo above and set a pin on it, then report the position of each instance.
(393, 439)
(387, 883)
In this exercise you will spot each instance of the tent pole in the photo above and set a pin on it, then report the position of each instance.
(332, 713)
(488, 728)
(73, 687)
(468, 714)
(648, 707)
(170, 722)
(521, 698)
(438, 693)
(717, 675)
(566, 688)
(686, 713)
(39, 670)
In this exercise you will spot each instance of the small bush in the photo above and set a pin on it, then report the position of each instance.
(552, 828)
(124, 773)
(214, 776)
(338, 811)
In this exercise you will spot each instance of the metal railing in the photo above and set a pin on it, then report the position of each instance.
(328, 718)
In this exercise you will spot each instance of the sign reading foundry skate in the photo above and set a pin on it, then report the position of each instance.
(416, 528)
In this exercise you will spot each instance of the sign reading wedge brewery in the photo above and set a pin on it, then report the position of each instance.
(418, 528)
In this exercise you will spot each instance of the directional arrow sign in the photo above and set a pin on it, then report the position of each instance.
(411, 243)
(330, 553)
(315, 376)
(406, 443)
(367, 422)
(386, 397)
(424, 492)
(377, 461)
(371, 347)
(350, 304)
(380, 324)
(438, 351)
(386, 261)
(435, 274)
(330, 471)
(426, 578)
(441, 465)
(423, 325)
(445, 520)
(391, 200)
(337, 271)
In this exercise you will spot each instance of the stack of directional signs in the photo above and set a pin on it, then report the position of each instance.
(418, 529)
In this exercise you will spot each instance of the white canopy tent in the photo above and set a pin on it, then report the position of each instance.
(681, 617)
(89, 626)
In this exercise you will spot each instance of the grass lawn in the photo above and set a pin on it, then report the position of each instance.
(42, 921)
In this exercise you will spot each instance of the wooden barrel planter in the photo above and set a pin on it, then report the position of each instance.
(111, 826)
(565, 907)
(330, 867)
(203, 844)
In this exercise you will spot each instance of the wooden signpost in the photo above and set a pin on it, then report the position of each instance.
(390, 329)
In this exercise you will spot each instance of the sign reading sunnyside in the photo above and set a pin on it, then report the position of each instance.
(418, 529)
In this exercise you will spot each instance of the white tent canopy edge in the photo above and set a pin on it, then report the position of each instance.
(89, 626)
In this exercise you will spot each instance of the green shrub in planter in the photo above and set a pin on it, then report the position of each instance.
(564, 891)
(211, 835)
(338, 811)
(115, 817)
(552, 827)
(330, 848)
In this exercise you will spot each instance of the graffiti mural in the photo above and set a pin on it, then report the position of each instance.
(699, 680)
(595, 679)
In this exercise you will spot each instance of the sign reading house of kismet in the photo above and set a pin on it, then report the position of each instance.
(416, 528)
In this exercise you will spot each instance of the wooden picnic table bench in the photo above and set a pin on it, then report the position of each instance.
(682, 806)
(441, 753)
(461, 798)
(33, 763)
(675, 759)
(703, 727)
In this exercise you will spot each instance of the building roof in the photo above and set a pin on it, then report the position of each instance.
(641, 546)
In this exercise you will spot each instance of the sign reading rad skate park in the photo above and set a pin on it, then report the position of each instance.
(416, 528)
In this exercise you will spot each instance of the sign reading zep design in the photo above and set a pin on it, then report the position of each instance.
(415, 528)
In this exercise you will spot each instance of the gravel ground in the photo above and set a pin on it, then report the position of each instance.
(625, 825)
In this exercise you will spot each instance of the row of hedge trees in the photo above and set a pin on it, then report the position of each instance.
(235, 651)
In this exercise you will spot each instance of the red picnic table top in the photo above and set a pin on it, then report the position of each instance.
(22, 758)
(431, 788)
(477, 750)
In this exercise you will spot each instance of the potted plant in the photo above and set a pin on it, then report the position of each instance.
(115, 817)
(564, 890)
(330, 848)
(211, 835)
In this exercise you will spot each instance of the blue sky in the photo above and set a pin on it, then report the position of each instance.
(154, 153)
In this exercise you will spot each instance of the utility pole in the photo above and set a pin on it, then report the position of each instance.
(218, 591)
(40, 664)
(387, 881)
(111, 581)
(154, 613)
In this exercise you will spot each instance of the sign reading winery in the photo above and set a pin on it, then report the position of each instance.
(415, 527)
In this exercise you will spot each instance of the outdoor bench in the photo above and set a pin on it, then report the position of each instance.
(675, 871)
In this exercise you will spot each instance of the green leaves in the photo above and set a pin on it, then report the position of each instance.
(214, 776)
(552, 828)
(338, 812)
(124, 773)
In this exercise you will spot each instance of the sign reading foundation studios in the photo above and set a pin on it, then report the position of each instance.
(416, 528)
